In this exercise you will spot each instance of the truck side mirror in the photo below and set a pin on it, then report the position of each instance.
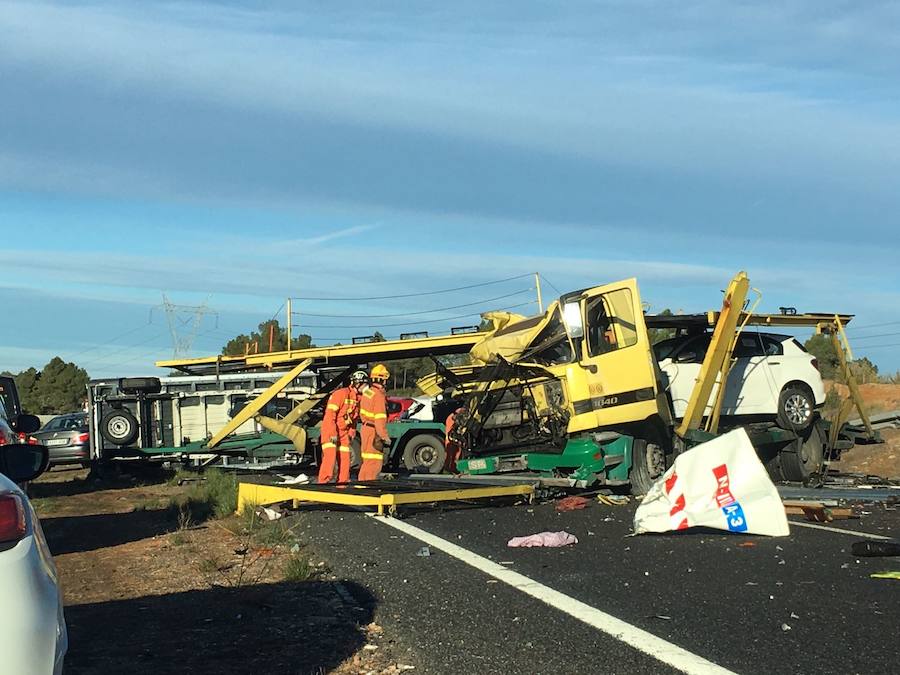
(26, 424)
(572, 319)
(22, 462)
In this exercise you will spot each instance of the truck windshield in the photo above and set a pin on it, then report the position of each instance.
(552, 346)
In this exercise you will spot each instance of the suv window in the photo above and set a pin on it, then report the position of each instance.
(749, 345)
(694, 350)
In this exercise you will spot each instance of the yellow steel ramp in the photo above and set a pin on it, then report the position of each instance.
(383, 495)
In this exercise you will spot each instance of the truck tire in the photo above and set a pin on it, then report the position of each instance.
(805, 456)
(796, 408)
(424, 453)
(648, 462)
(119, 427)
(135, 385)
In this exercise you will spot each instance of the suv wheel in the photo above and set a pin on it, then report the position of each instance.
(796, 408)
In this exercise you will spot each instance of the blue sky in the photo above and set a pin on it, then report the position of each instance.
(245, 152)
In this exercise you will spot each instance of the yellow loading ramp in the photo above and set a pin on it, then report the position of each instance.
(384, 495)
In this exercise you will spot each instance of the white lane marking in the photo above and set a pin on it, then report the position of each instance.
(645, 642)
(841, 530)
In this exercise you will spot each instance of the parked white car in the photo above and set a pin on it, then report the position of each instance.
(773, 378)
(33, 638)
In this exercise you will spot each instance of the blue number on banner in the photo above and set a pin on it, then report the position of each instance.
(734, 517)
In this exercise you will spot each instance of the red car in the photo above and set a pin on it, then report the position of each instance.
(396, 406)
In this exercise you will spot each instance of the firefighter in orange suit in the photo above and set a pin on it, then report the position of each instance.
(373, 415)
(338, 429)
(453, 450)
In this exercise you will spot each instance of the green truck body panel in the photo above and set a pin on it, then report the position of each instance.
(582, 458)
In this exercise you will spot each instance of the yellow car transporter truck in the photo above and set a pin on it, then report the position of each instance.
(574, 393)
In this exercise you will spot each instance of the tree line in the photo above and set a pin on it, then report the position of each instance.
(58, 387)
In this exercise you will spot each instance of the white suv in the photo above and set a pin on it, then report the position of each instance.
(773, 378)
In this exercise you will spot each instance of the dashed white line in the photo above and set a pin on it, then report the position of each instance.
(647, 643)
(839, 530)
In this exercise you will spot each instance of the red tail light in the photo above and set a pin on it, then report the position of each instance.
(12, 518)
(82, 438)
(815, 363)
(6, 438)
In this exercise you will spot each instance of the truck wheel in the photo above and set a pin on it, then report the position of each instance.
(805, 456)
(648, 462)
(796, 408)
(424, 453)
(119, 427)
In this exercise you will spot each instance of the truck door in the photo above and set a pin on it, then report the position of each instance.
(618, 378)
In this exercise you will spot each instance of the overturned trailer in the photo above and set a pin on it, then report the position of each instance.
(172, 417)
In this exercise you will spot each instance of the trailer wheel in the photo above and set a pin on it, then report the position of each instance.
(424, 453)
(648, 462)
(119, 427)
(796, 408)
(805, 456)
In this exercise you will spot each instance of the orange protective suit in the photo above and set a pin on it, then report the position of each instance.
(374, 435)
(337, 430)
(453, 449)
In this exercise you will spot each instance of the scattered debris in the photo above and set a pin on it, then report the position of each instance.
(293, 480)
(697, 490)
(614, 500)
(549, 539)
(785, 627)
(424, 552)
(873, 549)
(746, 544)
(266, 513)
(573, 503)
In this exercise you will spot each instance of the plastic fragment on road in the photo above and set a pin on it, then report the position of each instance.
(548, 539)
(890, 574)
(265, 513)
(573, 503)
(614, 500)
(719, 484)
(424, 552)
(299, 479)
(875, 549)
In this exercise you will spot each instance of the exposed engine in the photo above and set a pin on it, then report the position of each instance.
(523, 411)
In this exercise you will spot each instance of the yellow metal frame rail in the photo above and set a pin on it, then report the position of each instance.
(334, 354)
(378, 496)
(718, 355)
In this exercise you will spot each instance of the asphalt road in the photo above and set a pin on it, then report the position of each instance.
(798, 604)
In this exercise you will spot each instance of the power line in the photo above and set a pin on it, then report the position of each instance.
(550, 284)
(111, 340)
(878, 335)
(415, 295)
(873, 325)
(427, 311)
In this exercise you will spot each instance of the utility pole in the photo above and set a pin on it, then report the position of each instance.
(184, 324)
(537, 285)
(290, 320)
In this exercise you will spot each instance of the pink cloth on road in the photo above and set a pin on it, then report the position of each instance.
(551, 539)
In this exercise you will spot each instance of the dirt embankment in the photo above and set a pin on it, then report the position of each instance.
(154, 584)
(881, 459)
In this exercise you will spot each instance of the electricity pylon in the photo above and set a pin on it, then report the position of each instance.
(184, 324)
